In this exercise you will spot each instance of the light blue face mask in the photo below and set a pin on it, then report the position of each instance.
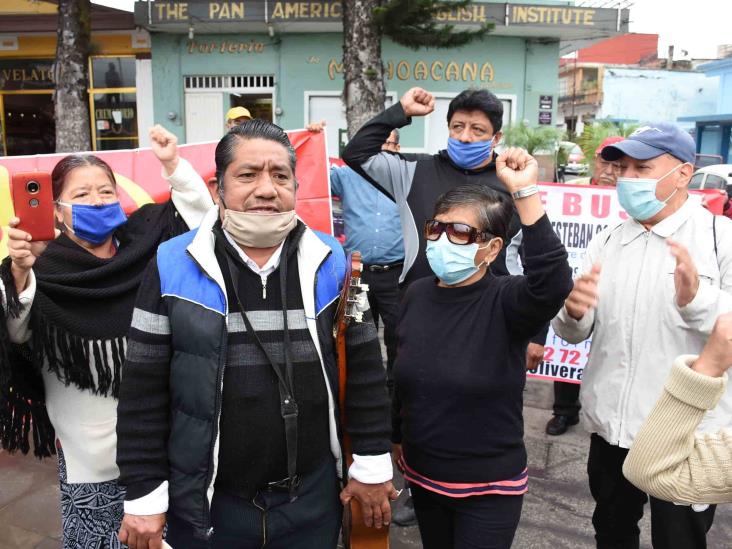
(469, 155)
(452, 263)
(637, 196)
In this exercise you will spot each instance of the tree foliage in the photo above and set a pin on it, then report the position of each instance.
(535, 140)
(414, 24)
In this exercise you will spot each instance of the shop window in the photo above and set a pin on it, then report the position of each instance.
(113, 102)
(115, 121)
(112, 72)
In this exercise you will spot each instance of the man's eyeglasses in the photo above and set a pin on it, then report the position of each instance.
(457, 233)
(394, 143)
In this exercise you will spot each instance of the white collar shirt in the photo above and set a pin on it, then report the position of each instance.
(265, 270)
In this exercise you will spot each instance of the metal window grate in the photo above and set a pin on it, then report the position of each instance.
(241, 81)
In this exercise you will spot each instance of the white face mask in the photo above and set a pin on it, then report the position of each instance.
(258, 230)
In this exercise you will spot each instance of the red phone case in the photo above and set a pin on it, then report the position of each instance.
(33, 203)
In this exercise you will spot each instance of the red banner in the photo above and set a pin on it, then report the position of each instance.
(139, 179)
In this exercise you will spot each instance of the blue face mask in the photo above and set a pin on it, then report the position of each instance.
(95, 223)
(637, 196)
(469, 155)
(452, 263)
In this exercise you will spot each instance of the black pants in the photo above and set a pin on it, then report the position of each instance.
(476, 522)
(566, 399)
(384, 303)
(619, 507)
(270, 521)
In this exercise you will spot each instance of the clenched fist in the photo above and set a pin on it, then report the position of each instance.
(417, 102)
(164, 145)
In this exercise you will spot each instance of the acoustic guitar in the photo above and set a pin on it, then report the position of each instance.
(356, 535)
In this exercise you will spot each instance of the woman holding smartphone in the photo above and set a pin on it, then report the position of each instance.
(66, 310)
(460, 367)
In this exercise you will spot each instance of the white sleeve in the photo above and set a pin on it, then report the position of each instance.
(18, 328)
(154, 503)
(189, 193)
(371, 469)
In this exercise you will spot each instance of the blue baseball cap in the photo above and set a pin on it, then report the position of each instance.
(653, 140)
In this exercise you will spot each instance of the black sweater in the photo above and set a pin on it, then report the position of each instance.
(460, 367)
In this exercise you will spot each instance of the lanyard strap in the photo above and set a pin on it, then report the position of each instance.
(288, 405)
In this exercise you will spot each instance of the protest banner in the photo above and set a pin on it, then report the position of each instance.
(139, 177)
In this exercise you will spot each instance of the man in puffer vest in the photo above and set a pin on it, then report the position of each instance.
(228, 426)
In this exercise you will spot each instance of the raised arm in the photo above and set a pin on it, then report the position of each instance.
(666, 459)
(189, 192)
(390, 173)
(534, 298)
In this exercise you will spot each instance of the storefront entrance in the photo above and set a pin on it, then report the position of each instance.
(28, 126)
(208, 98)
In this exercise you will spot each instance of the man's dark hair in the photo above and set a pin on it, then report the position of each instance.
(478, 100)
(492, 208)
(250, 129)
(396, 135)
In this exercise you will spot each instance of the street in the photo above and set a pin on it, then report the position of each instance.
(557, 510)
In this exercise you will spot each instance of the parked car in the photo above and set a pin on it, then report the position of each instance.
(576, 161)
(718, 176)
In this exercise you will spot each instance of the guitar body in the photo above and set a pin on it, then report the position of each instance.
(356, 535)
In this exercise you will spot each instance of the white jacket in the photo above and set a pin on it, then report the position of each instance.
(637, 329)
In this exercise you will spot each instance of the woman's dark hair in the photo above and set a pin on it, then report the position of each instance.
(478, 100)
(69, 163)
(493, 209)
(251, 129)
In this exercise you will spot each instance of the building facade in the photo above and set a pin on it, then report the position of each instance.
(623, 80)
(283, 61)
(714, 127)
(120, 78)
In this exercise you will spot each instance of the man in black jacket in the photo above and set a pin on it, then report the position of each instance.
(415, 181)
(228, 424)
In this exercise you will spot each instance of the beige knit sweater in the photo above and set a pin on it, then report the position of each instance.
(666, 459)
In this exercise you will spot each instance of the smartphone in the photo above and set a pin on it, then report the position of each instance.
(33, 203)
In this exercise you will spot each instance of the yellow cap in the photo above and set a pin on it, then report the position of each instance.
(237, 112)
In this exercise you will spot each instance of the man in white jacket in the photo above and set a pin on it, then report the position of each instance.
(651, 290)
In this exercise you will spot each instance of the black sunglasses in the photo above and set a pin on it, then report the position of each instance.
(457, 233)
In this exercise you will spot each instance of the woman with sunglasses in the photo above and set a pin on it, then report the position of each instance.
(459, 371)
(66, 310)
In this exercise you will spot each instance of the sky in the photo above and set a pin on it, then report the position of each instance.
(697, 27)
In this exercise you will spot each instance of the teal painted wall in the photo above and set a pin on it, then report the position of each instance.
(306, 62)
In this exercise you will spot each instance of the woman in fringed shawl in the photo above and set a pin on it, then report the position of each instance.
(66, 310)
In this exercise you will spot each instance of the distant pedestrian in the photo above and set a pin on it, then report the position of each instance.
(604, 172)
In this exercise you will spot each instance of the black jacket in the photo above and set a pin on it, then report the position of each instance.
(170, 399)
